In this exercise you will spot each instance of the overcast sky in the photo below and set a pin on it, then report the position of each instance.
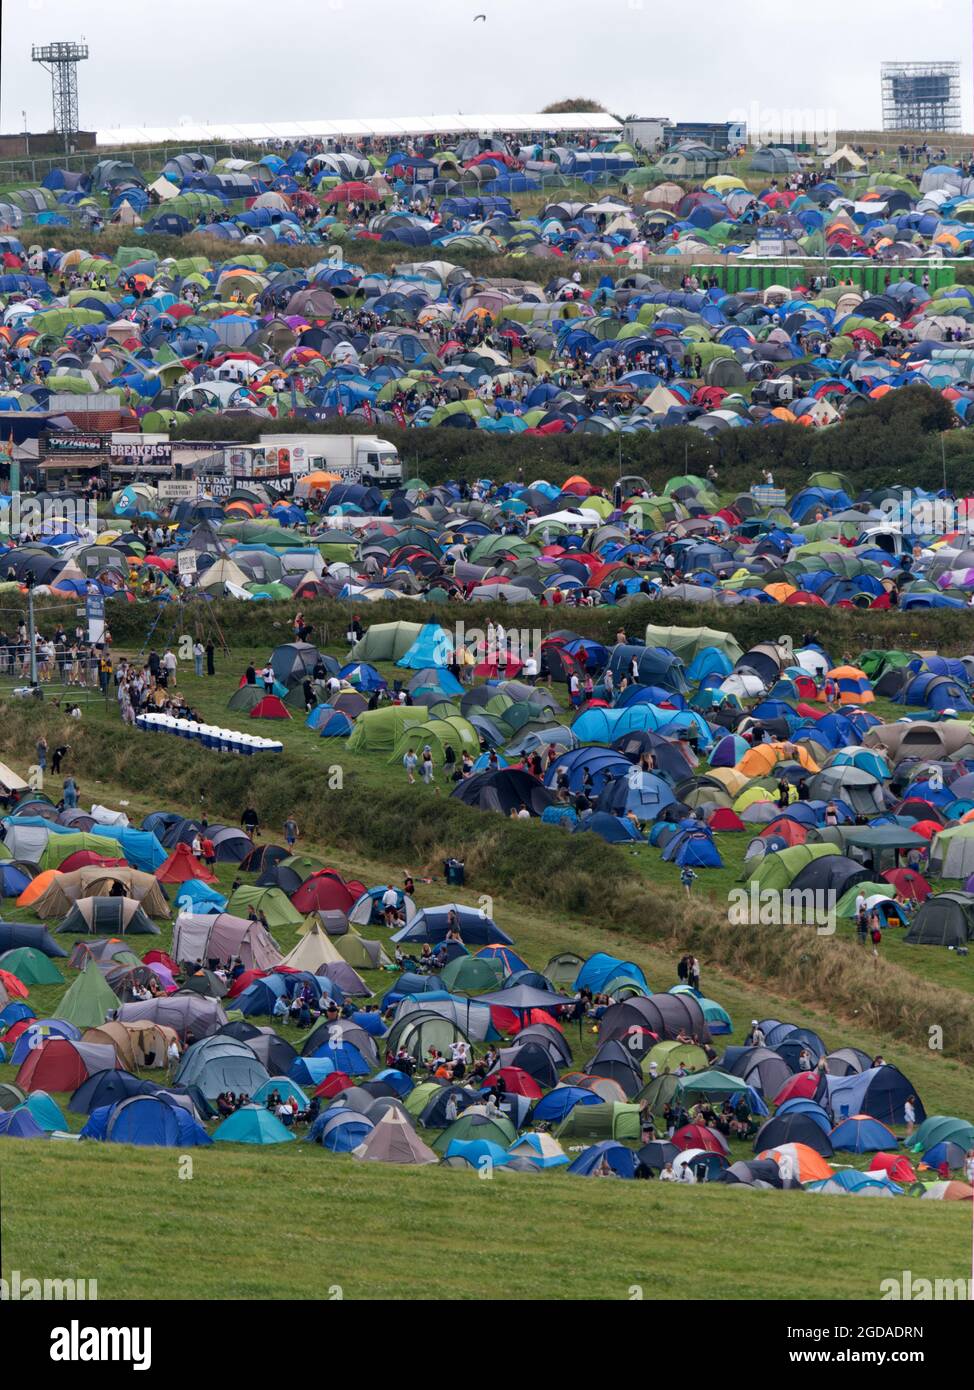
(162, 63)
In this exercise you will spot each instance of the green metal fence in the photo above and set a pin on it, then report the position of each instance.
(871, 278)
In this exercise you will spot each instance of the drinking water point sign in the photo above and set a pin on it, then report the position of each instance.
(95, 613)
(175, 490)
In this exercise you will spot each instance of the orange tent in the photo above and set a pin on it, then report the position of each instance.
(854, 685)
(37, 887)
(811, 1166)
(780, 592)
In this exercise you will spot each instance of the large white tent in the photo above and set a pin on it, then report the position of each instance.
(356, 128)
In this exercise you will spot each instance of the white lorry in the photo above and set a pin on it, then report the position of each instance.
(356, 458)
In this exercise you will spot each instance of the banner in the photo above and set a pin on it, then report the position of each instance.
(95, 613)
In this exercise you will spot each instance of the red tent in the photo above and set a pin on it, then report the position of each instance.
(896, 1166)
(243, 981)
(14, 986)
(15, 1030)
(524, 1019)
(909, 883)
(724, 818)
(804, 1085)
(326, 891)
(270, 707)
(161, 958)
(57, 1065)
(700, 1137)
(82, 858)
(926, 828)
(517, 1081)
(183, 865)
(352, 193)
(333, 1085)
(786, 829)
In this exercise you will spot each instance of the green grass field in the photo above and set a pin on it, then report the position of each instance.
(239, 1222)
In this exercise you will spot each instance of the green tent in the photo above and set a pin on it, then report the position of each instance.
(776, 871)
(89, 1000)
(940, 1129)
(877, 661)
(419, 1097)
(688, 642)
(846, 906)
(32, 967)
(709, 1085)
(456, 733)
(61, 847)
(378, 730)
(497, 1128)
(385, 642)
(610, 1119)
(472, 974)
(272, 902)
(302, 865)
(668, 1056)
(245, 697)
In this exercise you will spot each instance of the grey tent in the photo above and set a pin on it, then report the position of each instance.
(944, 920)
(114, 916)
(221, 937)
(221, 1063)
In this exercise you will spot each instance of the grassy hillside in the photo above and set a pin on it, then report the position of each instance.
(241, 1225)
(128, 1218)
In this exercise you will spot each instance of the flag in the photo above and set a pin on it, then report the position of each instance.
(400, 415)
(367, 411)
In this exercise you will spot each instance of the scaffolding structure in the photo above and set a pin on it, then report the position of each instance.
(922, 97)
(61, 61)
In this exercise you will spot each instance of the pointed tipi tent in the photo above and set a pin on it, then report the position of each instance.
(182, 865)
(394, 1141)
(89, 1000)
(313, 949)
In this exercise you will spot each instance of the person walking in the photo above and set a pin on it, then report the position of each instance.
(910, 1115)
(290, 832)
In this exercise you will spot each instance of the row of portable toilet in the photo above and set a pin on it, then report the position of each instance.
(209, 735)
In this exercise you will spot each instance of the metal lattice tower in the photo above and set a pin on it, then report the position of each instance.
(922, 97)
(61, 61)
